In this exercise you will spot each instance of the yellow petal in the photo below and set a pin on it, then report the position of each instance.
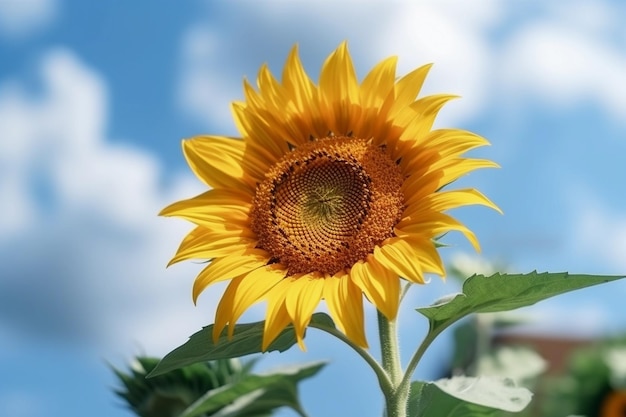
(252, 98)
(338, 80)
(419, 185)
(381, 285)
(257, 130)
(225, 306)
(452, 169)
(446, 200)
(259, 158)
(250, 290)
(377, 85)
(414, 123)
(439, 145)
(453, 141)
(408, 87)
(303, 117)
(438, 175)
(428, 107)
(229, 267)
(297, 82)
(377, 96)
(206, 247)
(434, 224)
(277, 317)
(345, 304)
(217, 161)
(303, 297)
(214, 205)
(417, 119)
(271, 90)
(339, 91)
(284, 127)
(397, 255)
(426, 253)
(255, 285)
(278, 103)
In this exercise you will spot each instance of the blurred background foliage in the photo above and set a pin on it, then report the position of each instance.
(569, 375)
(220, 388)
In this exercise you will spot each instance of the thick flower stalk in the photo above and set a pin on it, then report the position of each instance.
(335, 190)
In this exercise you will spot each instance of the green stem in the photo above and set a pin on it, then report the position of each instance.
(433, 332)
(383, 377)
(397, 395)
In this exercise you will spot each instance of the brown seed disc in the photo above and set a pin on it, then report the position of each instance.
(327, 204)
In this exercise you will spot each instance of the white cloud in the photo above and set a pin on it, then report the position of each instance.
(592, 17)
(451, 35)
(20, 18)
(470, 264)
(599, 232)
(566, 58)
(560, 53)
(448, 33)
(204, 90)
(557, 318)
(82, 249)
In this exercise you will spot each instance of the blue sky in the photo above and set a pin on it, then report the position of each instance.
(96, 96)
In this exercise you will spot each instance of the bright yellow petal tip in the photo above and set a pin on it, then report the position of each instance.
(335, 191)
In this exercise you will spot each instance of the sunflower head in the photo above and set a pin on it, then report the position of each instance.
(327, 204)
(334, 190)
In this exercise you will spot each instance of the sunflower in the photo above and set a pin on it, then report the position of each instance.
(333, 191)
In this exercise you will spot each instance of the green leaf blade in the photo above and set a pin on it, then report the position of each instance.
(255, 394)
(246, 340)
(467, 397)
(503, 292)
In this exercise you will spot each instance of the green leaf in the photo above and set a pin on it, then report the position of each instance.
(246, 340)
(255, 395)
(467, 397)
(502, 292)
(415, 397)
(170, 394)
(263, 401)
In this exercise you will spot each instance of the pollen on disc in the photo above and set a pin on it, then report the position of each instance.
(327, 204)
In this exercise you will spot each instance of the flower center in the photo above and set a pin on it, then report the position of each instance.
(327, 204)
